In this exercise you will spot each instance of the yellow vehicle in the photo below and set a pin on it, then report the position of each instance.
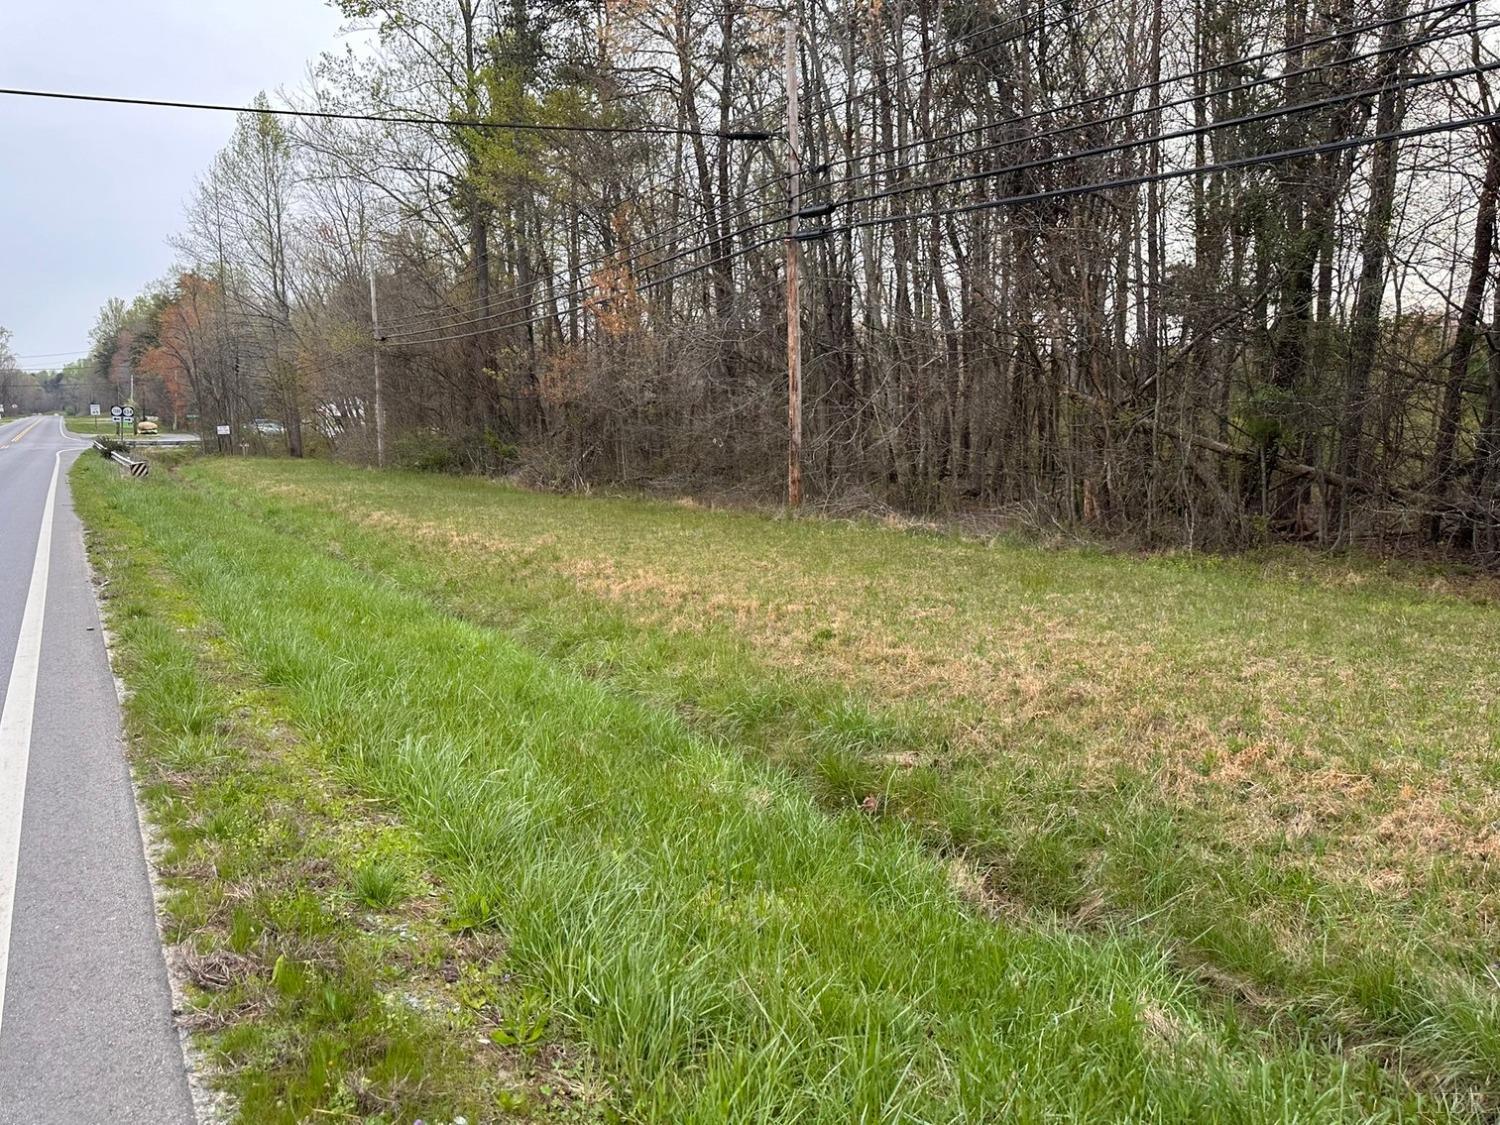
(147, 427)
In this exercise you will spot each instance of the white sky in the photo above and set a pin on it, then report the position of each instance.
(89, 194)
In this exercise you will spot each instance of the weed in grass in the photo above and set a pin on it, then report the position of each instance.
(379, 884)
(244, 930)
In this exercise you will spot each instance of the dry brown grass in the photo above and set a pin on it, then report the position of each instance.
(1059, 663)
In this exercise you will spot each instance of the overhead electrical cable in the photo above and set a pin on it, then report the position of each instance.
(514, 300)
(584, 291)
(651, 129)
(423, 335)
(731, 237)
(642, 287)
(662, 239)
(1445, 8)
(1031, 197)
(1175, 135)
(1175, 173)
(1125, 115)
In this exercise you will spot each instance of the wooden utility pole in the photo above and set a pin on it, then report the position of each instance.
(379, 406)
(793, 290)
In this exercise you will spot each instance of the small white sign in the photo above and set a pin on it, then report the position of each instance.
(94, 409)
(129, 413)
(116, 411)
(223, 431)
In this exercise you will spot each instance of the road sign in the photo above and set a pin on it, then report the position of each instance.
(116, 411)
(222, 431)
(94, 409)
(130, 414)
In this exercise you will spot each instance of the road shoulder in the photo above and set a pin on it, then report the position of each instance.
(89, 1028)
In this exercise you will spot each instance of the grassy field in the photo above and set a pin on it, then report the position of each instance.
(778, 818)
(104, 426)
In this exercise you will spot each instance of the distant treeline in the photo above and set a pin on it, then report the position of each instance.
(1010, 296)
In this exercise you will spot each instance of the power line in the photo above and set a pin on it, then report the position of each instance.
(1265, 158)
(1188, 99)
(1178, 134)
(761, 225)
(1445, 8)
(642, 287)
(583, 291)
(661, 239)
(1054, 193)
(1175, 173)
(515, 300)
(404, 327)
(400, 119)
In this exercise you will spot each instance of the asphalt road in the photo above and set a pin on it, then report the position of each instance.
(86, 1028)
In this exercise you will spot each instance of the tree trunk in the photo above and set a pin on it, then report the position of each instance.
(1445, 452)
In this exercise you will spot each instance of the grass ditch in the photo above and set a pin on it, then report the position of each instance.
(1283, 772)
(724, 948)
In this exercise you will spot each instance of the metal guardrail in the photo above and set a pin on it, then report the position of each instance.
(130, 465)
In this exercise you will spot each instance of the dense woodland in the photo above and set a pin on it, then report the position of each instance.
(1011, 298)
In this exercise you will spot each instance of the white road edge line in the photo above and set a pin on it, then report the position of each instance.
(15, 723)
(76, 439)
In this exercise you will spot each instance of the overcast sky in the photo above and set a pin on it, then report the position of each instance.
(90, 194)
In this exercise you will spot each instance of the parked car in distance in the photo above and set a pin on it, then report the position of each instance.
(268, 426)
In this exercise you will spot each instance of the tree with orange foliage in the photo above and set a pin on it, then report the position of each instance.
(164, 365)
(184, 350)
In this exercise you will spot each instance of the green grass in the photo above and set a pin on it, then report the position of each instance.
(104, 426)
(322, 980)
(781, 819)
(1282, 768)
(379, 883)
